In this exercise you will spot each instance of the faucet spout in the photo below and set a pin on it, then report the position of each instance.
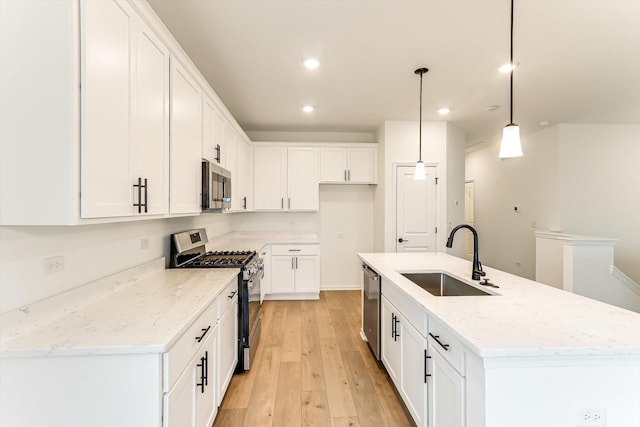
(476, 271)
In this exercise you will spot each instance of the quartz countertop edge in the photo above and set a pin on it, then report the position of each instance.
(146, 317)
(524, 319)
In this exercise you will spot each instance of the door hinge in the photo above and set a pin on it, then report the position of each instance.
(436, 180)
(436, 230)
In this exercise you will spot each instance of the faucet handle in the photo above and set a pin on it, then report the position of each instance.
(479, 270)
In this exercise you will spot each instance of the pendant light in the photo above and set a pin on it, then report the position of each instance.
(510, 145)
(420, 174)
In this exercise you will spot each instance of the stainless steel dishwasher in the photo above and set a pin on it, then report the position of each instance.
(371, 309)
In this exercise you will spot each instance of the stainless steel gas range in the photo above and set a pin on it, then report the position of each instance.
(188, 251)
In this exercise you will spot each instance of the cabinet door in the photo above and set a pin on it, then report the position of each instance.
(180, 402)
(446, 392)
(186, 142)
(414, 388)
(361, 165)
(227, 347)
(265, 283)
(302, 181)
(231, 154)
(219, 126)
(390, 343)
(282, 274)
(209, 121)
(307, 273)
(333, 165)
(270, 178)
(206, 403)
(106, 100)
(150, 144)
(245, 175)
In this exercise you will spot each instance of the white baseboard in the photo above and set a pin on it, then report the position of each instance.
(340, 288)
(290, 297)
(363, 336)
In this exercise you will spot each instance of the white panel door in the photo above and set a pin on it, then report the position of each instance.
(150, 145)
(446, 393)
(361, 165)
(307, 272)
(206, 403)
(270, 178)
(106, 108)
(415, 211)
(302, 180)
(414, 388)
(390, 344)
(186, 142)
(180, 402)
(333, 165)
(282, 274)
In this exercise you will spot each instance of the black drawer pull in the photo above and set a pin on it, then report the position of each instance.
(396, 321)
(425, 366)
(204, 332)
(232, 294)
(435, 337)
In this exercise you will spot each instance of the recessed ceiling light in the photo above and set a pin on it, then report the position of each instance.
(444, 111)
(506, 68)
(311, 63)
(492, 107)
(307, 109)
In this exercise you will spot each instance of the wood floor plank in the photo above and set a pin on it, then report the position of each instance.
(273, 334)
(291, 345)
(333, 299)
(263, 395)
(288, 409)
(230, 418)
(315, 409)
(345, 422)
(311, 357)
(343, 330)
(393, 413)
(239, 392)
(367, 404)
(338, 392)
(325, 324)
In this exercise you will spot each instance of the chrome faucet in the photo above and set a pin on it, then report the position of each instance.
(476, 271)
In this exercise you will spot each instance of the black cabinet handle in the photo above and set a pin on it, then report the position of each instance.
(204, 332)
(396, 321)
(141, 186)
(204, 371)
(217, 158)
(349, 175)
(244, 203)
(232, 294)
(393, 325)
(435, 337)
(425, 366)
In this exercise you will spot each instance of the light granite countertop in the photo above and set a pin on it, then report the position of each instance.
(254, 241)
(146, 316)
(524, 319)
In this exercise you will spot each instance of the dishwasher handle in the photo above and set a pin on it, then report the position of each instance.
(368, 271)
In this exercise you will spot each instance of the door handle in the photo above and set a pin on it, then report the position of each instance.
(402, 240)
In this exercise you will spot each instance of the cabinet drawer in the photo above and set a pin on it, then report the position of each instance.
(443, 340)
(178, 357)
(226, 297)
(311, 249)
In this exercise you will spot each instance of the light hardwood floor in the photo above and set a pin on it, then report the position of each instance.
(312, 369)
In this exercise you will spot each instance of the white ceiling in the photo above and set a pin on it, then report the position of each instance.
(579, 61)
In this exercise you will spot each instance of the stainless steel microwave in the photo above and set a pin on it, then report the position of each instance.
(216, 187)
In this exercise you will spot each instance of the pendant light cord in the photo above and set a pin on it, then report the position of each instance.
(511, 74)
(420, 124)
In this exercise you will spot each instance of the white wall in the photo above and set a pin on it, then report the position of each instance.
(530, 183)
(579, 179)
(455, 178)
(599, 187)
(345, 210)
(90, 252)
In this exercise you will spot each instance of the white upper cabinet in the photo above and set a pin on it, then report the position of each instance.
(348, 165)
(244, 171)
(213, 132)
(285, 179)
(186, 142)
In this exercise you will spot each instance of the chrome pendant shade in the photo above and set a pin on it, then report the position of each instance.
(420, 173)
(510, 145)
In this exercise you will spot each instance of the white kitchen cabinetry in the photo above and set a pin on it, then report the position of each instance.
(125, 130)
(243, 195)
(227, 339)
(285, 179)
(212, 132)
(446, 392)
(186, 142)
(295, 272)
(348, 165)
(403, 354)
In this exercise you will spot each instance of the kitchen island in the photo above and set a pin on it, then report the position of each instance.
(526, 355)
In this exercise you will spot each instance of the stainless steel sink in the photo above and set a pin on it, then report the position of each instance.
(443, 285)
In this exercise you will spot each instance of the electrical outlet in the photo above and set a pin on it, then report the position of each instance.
(593, 417)
(144, 243)
(54, 264)
(340, 235)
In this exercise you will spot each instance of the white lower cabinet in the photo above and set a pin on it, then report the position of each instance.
(403, 354)
(295, 271)
(227, 339)
(446, 392)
